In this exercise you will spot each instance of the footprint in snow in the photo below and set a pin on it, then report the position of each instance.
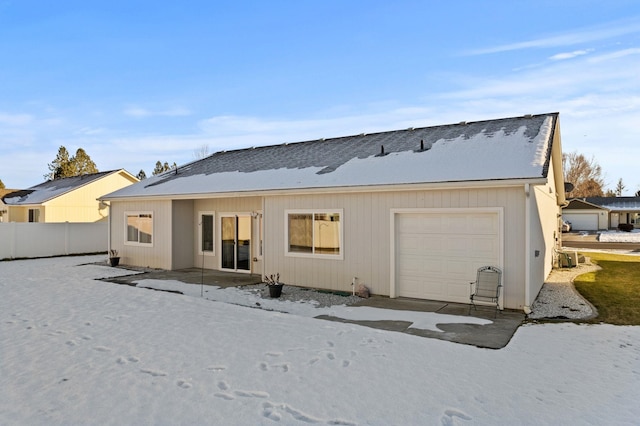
(154, 373)
(216, 368)
(102, 349)
(222, 385)
(183, 384)
(448, 416)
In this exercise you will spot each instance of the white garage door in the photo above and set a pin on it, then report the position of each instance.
(582, 221)
(438, 254)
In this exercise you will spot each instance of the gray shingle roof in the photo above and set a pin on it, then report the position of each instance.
(509, 148)
(48, 190)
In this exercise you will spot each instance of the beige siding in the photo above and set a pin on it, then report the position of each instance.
(246, 205)
(182, 224)
(367, 228)
(157, 255)
(545, 233)
(81, 205)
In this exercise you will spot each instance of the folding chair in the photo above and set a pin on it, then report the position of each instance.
(486, 287)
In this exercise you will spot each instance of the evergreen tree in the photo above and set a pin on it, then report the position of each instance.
(64, 166)
(83, 164)
(619, 188)
(141, 175)
(161, 168)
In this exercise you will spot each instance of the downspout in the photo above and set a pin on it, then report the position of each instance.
(108, 227)
(264, 245)
(527, 249)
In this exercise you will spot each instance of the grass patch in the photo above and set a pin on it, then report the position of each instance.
(614, 290)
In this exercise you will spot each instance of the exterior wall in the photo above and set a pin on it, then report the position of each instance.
(367, 228)
(81, 205)
(545, 234)
(182, 219)
(246, 205)
(159, 254)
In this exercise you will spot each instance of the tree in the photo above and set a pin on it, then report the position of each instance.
(202, 152)
(64, 166)
(2, 184)
(619, 188)
(638, 193)
(585, 175)
(141, 175)
(83, 164)
(161, 168)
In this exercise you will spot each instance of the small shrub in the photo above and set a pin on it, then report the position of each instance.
(626, 227)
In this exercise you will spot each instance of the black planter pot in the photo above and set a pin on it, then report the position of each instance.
(275, 290)
(114, 261)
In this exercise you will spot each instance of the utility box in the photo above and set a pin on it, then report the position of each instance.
(568, 258)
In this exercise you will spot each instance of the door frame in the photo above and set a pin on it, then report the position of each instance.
(236, 215)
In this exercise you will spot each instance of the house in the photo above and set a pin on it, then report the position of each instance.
(602, 213)
(4, 210)
(408, 213)
(585, 216)
(72, 199)
(622, 210)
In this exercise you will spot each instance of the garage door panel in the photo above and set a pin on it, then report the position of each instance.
(438, 254)
(582, 221)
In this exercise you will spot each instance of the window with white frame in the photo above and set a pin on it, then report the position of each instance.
(139, 228)
(314, 233)
(207, 232)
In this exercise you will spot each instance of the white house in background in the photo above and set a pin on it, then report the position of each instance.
(72, 199)
(409, 213)
(602, 213)
(585, 216)
(622, 210)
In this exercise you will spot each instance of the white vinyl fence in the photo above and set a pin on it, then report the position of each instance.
(26, 240)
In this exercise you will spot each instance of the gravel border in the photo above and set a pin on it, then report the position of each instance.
(559, 299)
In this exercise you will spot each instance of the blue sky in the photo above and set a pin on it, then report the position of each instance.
(134, 82)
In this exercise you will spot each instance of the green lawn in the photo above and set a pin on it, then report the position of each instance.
(614, 290)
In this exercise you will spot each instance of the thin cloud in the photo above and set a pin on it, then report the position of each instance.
(611, 30)
(15, 119)
(139, 112)
(570, 55)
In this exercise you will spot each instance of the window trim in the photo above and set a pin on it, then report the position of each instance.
(200, 233)
(313, 212)
(127, 214)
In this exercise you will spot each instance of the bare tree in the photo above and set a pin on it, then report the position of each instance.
(202, 152)
(619, 188)
(585, 175)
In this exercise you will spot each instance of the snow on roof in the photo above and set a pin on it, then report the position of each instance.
(48, 190)
(509, 148)
(616, 203)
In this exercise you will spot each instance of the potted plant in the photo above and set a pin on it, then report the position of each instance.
(114, 260)
(274, 284)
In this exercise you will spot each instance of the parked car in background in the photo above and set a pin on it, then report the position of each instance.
(566, 226)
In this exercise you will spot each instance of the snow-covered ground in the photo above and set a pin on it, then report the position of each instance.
(620, 236)
(74, 350)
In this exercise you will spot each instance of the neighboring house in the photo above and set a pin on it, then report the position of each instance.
(585, 216)
(409, 213)
(4, 209)
(73, 199)
(621, 209)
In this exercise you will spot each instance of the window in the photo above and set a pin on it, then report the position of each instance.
(314, 233)
(34, 215)
(139, 228)
(207, 240)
